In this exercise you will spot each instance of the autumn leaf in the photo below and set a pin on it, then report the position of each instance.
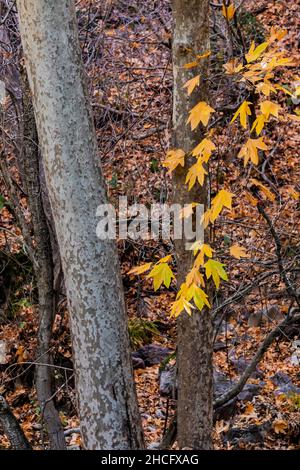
(179, 306)
(233, 67)
(161, 274)
(276, 34)
(259, 123)
(215, 269)
(255, 52)
(249, 151)
(294, 117)
(238, 252)
(140, 269)
(222, 199)
(243, 111)
(263, 188)
(205, 149)
(199, 297)
(265, 87)
(191, 65)
(187, 210)
(191, 84)
(174, 158)
(165, 259)
(195, 173)
(280, 426)
(268, 107)
(200, 113)
(228, 12)
(204, 55)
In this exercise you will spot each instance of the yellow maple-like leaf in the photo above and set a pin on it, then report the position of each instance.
(280, 426)
(228, 12)
(216, 270)
(259, 123)
(238, 252)
(179, 306)
(196, 172)
(269, 195)
(222, 199)
(161, 274)
(276, 34)
(255, 52)
(268, 107)
(249, 151)
(187, 210)
(200, 113)
(140, 269)
(233, 67)
(265, 87)
(200, 298)
(174, 158)
(243, 111)
(191, 84)
(204, 149)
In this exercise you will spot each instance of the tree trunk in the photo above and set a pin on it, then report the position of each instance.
(12, 428)
(108, 408)
(43, 271)
(194, 356)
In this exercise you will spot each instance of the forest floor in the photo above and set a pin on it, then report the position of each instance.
(127, 54)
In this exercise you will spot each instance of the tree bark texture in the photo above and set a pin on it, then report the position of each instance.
(194, 355)
(108, 408)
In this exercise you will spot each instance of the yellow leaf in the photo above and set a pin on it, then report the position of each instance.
(243, 112)
(281, 88)
(215, 269)
(222, 199)
(250, 150)
(187, 210)
(269, 195)
(190, 65)
(196, 172)
(277, 34)
(238, 252)
(259, 123)
(165, 259)
(174, 158)
(228, 12)
(268, 107)
(204, 55)
(140, 269)
(161, 274)
(179, 306)
(265, 87)
(233, 67)
(255, 52)
(280, 426)
(200, 113)
(205, 148)
(198, 295)
(191, 84)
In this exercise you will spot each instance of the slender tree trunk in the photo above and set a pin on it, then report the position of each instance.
(194, 356)
(104, 377)
(43, 270)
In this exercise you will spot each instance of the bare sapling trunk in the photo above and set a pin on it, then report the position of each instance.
(194, 355)
(108, 410)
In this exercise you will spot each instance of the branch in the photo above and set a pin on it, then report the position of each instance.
(279, 329)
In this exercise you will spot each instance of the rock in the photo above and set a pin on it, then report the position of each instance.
(240, 364)
(137, 362)
(152, 354)
(284, 384)
(250, 391)
(270, 315)
(253, 434)
(3, 349)
(167, 382)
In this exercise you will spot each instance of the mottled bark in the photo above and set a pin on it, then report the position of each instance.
(194, 356)
(108, 408)
(43, 271)
(12, 428)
